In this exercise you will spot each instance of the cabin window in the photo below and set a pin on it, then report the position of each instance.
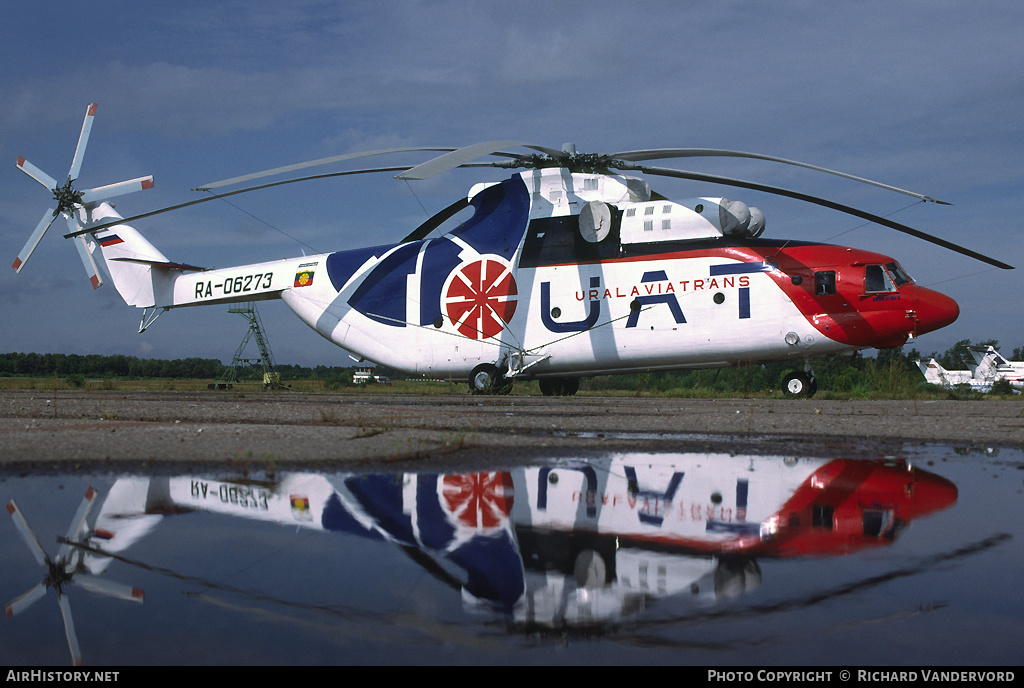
(877, 279)
(825, 283)
(590, 184)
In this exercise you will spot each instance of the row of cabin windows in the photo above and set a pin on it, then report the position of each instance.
(877, 278)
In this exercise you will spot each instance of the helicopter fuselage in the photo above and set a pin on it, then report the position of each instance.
(521, 281)
(559, 275)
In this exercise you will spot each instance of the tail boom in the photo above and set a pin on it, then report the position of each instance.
(146, 278)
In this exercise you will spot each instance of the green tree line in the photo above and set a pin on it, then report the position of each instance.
(890, 372)
(121, 366)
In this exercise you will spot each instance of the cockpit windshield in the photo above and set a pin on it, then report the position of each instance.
(877, 279)
(898, 274)
(887, 277)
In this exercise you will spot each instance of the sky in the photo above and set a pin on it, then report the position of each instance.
(923, 95)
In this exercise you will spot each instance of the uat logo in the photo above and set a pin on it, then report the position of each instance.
(480, 297)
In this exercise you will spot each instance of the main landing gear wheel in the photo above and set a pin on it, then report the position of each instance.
(559, 386)
(485, 379)
(798, 384)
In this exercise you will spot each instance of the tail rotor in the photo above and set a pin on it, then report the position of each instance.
(70, 201)
(61, 572)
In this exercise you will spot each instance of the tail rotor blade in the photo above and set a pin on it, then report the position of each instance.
(78, 522)
(69, 629)
(110, 588)
(25, 600)
(37, 235)
(87, 260)
(85, 253)
(26, 533)
(102, 193)
(31, 170)
(83, 140)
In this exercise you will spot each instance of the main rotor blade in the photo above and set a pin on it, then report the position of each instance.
(101, 193)
(77, 523)
(110, 588)
(69, 629)
(31, 170)
(662, 153)
(455, 158)
(23, 528)
(311, 163)
(83, 141)
(25, 600)
(126, 220)
(37, 235)
(739, 183)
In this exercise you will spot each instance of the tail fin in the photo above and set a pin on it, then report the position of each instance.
(933, 372)
(128, 257)
(986, 359)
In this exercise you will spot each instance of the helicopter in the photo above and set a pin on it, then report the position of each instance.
(569, 543)
(573, 267)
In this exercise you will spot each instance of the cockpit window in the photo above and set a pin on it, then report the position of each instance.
(877, 279)
(898, 275)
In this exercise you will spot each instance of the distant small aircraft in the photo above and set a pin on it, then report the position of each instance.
(987, 368)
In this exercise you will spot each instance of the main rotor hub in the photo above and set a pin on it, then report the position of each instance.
(589, 163)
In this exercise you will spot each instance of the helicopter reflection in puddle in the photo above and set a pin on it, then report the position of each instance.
(573, 544)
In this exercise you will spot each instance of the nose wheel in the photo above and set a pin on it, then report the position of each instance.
(799, 384)
(486, 378)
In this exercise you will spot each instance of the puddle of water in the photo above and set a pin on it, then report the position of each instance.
(626, 558)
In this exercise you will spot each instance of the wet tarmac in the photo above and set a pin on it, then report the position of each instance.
(100, 428)
(705, 558)
(375, 529)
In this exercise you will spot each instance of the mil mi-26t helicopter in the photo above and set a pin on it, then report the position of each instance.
(565, 269)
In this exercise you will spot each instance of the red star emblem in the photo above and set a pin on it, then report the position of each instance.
(481, 298)
(478, 500)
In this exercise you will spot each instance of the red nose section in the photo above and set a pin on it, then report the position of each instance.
(931, 493)
(934, 310)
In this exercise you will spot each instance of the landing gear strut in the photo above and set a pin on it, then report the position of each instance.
(799, 384)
